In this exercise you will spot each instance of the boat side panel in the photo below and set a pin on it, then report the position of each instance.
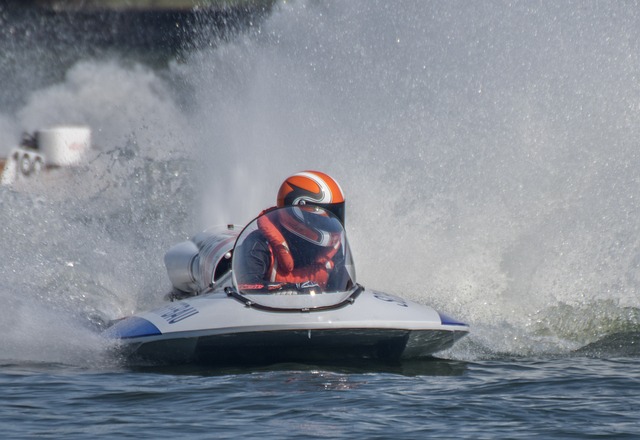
(303, 346)
(219, 313)
(277, 346)
(296, 346)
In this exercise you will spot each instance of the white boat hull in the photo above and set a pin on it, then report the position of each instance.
(216, 328)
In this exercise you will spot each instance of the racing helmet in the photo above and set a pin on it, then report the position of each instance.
(312, 223)
(312, 188)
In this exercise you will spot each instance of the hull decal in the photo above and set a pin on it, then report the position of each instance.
(177, 312)
(446, 320)
(132, 327)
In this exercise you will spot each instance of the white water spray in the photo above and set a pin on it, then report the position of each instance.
(488, 152)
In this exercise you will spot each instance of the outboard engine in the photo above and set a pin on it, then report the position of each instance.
(199, 263)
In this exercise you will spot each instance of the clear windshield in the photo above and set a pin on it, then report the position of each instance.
(296, 251)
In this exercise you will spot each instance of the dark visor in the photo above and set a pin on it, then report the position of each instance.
(336, 209)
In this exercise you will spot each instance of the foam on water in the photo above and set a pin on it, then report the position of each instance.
(488, 152)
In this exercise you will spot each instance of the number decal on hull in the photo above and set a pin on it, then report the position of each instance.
(178, 312)
(390, 298)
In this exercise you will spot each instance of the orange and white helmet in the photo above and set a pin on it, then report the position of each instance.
(312, 188)
(312, 223)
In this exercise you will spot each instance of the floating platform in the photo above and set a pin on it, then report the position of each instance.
(55, 147)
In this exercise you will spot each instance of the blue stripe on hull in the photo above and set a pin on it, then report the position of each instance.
(447, 320)
(132, 327)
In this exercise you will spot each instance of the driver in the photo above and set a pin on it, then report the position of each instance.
(298, 245)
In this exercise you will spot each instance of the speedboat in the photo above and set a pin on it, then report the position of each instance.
(215, 316)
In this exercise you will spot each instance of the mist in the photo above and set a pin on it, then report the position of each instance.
(487, 152)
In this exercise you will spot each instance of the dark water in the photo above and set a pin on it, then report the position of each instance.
(526, 398)
(489, 152)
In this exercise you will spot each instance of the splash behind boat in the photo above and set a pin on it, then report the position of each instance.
(217, 317)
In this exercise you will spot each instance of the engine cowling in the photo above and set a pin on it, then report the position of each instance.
(196, 264)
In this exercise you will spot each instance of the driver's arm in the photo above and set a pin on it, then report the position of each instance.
(256, 259)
